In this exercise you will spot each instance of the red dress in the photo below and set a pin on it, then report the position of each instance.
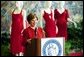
(30, 33)
(50, 27)
(16, 38)
(61, 23)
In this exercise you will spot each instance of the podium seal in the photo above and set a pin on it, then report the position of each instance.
(52, 48)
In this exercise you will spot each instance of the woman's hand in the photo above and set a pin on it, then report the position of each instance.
(29, 41)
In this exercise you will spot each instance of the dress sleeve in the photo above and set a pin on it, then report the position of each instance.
(25, 36)
(41, 31)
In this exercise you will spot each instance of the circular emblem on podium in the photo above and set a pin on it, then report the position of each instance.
(52, 48)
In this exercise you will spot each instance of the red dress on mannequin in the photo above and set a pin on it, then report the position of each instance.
(16, 38)
(50, 27)
(61, 23)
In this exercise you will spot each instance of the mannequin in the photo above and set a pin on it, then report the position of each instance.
(48, 18)
(61, 16)
(17, 26)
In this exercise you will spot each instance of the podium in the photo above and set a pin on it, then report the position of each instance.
(45, 47)
(33, 48)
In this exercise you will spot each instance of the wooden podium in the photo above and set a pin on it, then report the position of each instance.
(45, 47)
(33, 48)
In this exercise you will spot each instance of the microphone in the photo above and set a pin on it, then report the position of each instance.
(35, 32)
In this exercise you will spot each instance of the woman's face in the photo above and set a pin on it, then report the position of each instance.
(19, 4)
(33, 22)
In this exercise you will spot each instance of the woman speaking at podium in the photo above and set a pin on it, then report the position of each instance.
(32, 31)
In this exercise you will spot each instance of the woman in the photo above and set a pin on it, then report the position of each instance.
(18, 24)
(32, 31)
